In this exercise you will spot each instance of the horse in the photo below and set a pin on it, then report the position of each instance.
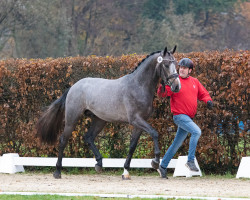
(128, 99)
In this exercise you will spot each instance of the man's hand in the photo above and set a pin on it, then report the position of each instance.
(210, 105)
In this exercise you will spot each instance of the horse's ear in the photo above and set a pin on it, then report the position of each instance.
(165, 51)
(173, 50)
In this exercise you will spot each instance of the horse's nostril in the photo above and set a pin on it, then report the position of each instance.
(176, 88)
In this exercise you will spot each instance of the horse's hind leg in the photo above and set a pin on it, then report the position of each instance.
(62, 144)
(133, 143)
(96, 127)
(72, 115)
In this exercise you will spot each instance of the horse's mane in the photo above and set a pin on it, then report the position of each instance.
(144, 60)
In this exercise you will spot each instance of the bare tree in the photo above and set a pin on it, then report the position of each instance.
(6, 21)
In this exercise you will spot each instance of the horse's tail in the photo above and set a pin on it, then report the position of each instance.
(50, 123)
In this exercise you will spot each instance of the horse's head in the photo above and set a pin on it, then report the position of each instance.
(166, 68)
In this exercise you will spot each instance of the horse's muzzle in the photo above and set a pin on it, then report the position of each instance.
(175, 88)
(176, 85)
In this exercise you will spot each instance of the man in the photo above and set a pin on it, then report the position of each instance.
(184, 107)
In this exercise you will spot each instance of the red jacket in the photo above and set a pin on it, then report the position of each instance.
(185, 101)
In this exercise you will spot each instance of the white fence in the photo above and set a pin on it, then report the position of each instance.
(244, 168)
(11, 163)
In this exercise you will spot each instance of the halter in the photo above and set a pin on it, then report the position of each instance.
(160, 59)
(175, 75)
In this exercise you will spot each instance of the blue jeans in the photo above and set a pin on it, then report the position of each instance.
(185, 125)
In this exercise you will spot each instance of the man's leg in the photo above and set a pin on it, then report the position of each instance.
(188, 125)
(179, 138)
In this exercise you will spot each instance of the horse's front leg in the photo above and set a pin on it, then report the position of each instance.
(62, 144)
(156, 161)
(141, 123)
(133, 143)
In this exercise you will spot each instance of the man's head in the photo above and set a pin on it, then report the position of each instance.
(185, 67)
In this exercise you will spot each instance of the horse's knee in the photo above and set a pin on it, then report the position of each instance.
(155, 135)
(88, 139)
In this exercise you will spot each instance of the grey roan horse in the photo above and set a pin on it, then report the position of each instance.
(127, 99)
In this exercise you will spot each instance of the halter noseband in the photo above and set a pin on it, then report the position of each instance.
(175, 75)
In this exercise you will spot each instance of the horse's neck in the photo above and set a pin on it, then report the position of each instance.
(146, 74)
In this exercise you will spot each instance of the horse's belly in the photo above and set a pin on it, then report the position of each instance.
(108, 109)
(110, 114)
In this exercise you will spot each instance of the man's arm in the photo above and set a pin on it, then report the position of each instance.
(203, 94)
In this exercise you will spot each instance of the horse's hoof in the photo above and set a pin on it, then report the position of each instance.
(98, 168)
(126, 177)
(57, 175)
(155, 164)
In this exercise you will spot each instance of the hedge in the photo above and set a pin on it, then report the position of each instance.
(28, 86)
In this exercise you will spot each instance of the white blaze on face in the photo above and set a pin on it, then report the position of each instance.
(172, 70)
